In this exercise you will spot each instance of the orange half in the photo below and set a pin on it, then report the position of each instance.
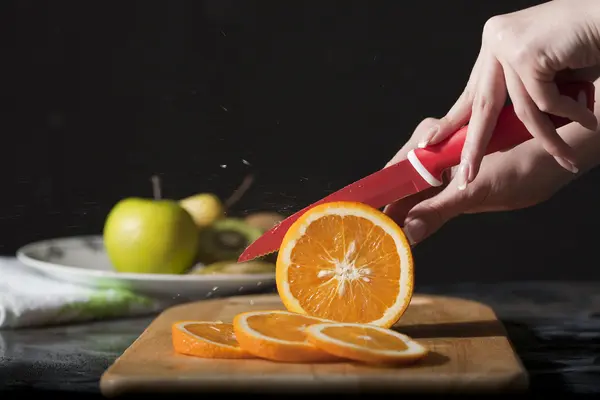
(206, 339)
(346, 262)
(366, 343)
(278, 336)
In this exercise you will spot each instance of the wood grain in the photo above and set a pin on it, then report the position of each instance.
(469, 353)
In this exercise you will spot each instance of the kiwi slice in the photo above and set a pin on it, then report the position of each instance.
(264, 220)
(232, 267)
(225, 240)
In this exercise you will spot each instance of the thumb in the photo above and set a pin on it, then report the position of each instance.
(431, 214)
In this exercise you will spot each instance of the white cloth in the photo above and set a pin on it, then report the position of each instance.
(28, 298)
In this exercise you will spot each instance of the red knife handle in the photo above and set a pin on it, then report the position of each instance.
(432, 161)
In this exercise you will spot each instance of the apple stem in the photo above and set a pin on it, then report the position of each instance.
(239, 192)
(156, 187)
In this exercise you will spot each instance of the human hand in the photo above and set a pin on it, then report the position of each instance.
(517, 178)
(523, 54)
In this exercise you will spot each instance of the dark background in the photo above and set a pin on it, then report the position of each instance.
(100, 95)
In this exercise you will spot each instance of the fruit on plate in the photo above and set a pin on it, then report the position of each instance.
(205, 208)
(367, 343)
(206, 339)
(225, 240)
(278, 336)
(233, 267)
(264, 220)
(143, 235)
(350, 256)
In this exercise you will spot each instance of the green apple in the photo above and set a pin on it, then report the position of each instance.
(150, 236)
(205, 208)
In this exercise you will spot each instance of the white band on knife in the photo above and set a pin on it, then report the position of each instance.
(416, 163)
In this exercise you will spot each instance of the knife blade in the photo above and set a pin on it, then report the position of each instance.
(422, 169)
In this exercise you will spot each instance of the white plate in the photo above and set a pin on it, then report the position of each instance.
(82, 260)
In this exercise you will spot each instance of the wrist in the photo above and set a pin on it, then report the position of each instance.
(533, 158)
(586, 145)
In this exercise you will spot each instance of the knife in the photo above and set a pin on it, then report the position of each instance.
(422, 169)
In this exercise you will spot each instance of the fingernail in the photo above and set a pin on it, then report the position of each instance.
(428, 136)
(566, 164)
(390, 163)
(414, 230)
(463, 175)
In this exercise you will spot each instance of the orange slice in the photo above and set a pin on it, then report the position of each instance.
(278, 336)
(346, 262)
(366, 343)
(206, 339)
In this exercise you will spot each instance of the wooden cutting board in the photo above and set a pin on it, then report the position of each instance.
(469, 353)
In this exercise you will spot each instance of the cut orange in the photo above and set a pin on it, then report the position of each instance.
(346, 262)
(366, 343)
(278, 336)
(206, 339)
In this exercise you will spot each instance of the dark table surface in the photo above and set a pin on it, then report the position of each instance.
(555, 328)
